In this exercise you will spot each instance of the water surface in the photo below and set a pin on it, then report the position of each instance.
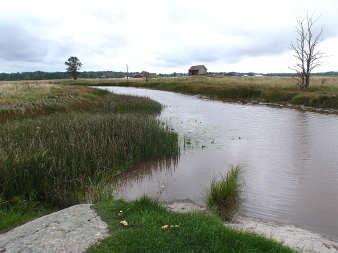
(289, 159)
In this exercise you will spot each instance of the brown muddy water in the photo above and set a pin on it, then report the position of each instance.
(289, 159)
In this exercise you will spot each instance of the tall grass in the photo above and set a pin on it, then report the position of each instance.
(223, 195)
(64, 158)
(18, 101)
(18, 211)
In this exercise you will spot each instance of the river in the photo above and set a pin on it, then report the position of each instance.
(289, 159)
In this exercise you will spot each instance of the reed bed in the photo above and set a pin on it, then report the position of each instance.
(66, 158)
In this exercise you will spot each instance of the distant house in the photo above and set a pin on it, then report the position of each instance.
(197, 70)
(138, 76)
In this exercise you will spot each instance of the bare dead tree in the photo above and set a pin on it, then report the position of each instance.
(305, 50)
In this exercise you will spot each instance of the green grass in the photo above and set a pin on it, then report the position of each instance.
(19, 211)
(190, 232)
(58, 158)
(20, 100)
(322, 94)
(223, 195)
(68, 156)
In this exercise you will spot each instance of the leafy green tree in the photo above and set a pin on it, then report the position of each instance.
(73, 66)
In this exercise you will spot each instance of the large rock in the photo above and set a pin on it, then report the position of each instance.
(70, 230)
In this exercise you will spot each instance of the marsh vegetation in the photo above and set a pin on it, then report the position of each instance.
(70, 156)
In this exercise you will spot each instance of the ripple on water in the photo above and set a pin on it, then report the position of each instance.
(289, 158)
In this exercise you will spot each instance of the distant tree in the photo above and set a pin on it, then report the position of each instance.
(305, 50)
(73, 66)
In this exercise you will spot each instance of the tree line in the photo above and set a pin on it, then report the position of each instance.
(41, 75)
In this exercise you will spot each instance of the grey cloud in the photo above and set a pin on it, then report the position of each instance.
(17, 44)
(24, 49)
(257, 44)
(110, 41)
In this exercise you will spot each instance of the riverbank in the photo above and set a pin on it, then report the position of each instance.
(299, 239)
(322, 95)
(146, 225)
(77, 228)
(55, 152)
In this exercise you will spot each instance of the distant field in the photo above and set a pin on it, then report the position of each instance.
(27, 99)
(281, 90)
(284, 82)
(11, 92)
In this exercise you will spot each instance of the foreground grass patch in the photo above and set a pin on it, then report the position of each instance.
(152, 228)
(223, 196)
(19, 211)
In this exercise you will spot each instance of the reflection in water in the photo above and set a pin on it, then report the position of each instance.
(145, 171)
(289, 159)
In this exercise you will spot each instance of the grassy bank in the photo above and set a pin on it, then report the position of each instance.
(71, 155)
(20, 211)
(152, 228)
(322, 94)
(20, 100)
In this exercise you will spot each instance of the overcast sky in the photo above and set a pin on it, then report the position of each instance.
(160, 35)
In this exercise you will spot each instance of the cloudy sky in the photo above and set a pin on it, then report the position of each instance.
(160, 35)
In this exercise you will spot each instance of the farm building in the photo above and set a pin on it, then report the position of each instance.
(197, 70)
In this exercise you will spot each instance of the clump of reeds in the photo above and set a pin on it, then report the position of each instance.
(223, 195)
(66, 158)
